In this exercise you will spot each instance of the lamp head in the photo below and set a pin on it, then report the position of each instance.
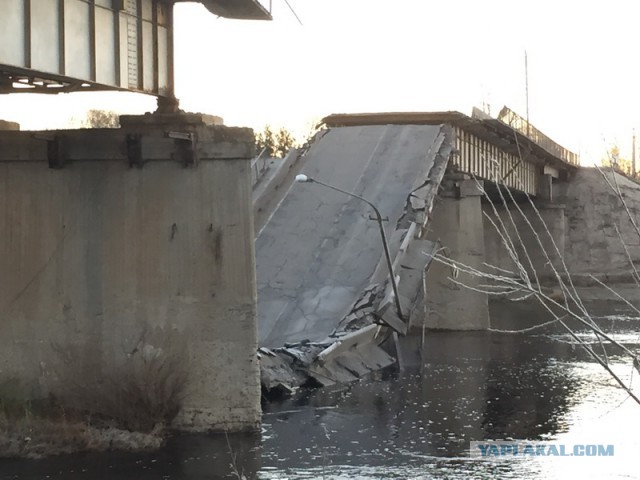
(303, 178)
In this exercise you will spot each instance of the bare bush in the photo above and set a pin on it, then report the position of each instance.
(143, 393)
(101, 119)
(564, 301)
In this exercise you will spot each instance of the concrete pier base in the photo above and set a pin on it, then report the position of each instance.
(132, 242)
(456, 223)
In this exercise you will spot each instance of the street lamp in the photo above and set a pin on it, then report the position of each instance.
(306, 179)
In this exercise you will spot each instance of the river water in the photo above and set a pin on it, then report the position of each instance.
(416, 423)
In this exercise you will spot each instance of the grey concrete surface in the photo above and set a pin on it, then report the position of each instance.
(318, 250)
(99, 260)
(457, 223)
(542, 236)
(582, 220)
(274, 180)
(592, 213)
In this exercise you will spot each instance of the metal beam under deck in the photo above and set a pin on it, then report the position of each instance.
(16, 80)
(55, 46)
(237, 9)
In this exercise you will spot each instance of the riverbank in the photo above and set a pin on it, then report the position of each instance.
(36, 438)
(468, 386)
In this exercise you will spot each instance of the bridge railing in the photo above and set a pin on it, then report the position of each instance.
(521, 125)
(259, 166)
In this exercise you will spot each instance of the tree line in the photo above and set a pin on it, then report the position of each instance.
(274, 144)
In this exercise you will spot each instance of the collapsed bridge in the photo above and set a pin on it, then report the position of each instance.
(325, 299)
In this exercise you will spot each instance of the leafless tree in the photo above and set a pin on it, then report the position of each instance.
(101, 119)
(523, 283)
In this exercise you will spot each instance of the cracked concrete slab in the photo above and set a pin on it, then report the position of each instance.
(318, 251)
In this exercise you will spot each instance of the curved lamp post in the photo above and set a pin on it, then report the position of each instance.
(305, 179)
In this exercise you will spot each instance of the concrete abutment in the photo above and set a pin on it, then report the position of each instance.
(139, 241)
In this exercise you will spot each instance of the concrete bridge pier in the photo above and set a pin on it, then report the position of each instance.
(128, 254)
(539, 241)
(457, 224)
(460, 225)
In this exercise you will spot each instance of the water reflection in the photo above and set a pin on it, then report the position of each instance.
(186, 457)
(470, 387)
(411, 424)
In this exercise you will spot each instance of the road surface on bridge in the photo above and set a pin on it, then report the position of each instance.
(318, 251)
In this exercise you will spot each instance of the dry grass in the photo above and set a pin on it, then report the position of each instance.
(37, 437)
(126, 407)
(142, 394)
(35, 429)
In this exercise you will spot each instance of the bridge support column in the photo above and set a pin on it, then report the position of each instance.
(540, 237)
(457, 225)
(545, 191)
(132, 261)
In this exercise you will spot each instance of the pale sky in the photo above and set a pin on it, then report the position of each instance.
(401, 55)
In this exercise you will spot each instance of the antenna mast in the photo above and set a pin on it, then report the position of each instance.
(526, 87)
(633, 154)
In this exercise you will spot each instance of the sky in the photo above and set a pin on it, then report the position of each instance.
(402, 55)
